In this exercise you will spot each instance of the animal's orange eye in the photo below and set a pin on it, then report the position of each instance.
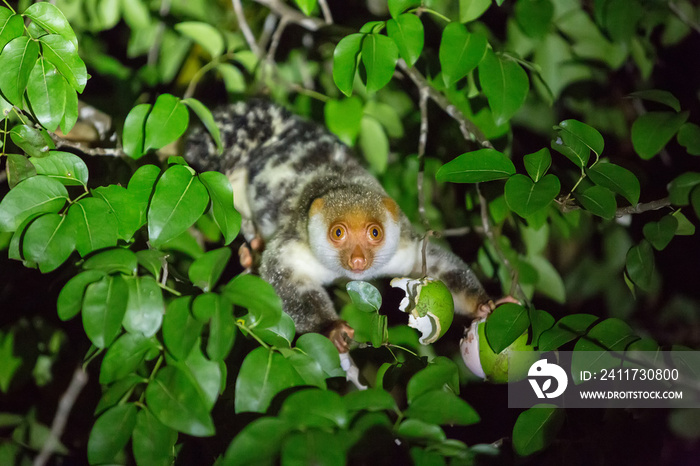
(374, 232)
(337, 232)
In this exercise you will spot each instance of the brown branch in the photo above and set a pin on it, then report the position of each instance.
(85, 149)
(245, 29)
(643, 207)
(292, 15)
(65, 405)
(326, 11)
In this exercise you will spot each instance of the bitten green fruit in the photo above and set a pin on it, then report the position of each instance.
(429, 305)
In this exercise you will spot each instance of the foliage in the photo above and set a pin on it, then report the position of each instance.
(551, 173)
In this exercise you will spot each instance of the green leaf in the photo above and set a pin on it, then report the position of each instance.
(505, 325)
(689, 137)
(117, 260)
(541, 321)
(609, 335)
(206, 270)
(254, 386)
(526, 198)
(640, 265)
(151, 260)
(49, 241)
(70, 114)
(18, 168)
(313, 447)
(207, 119)
(572, 147)
(617, 179)
(65, 167)
(343, 118)
(308, 369)
(441, 374)
(17, 60)
(64, 55)
(204, 34)
(407, 32)
(234, 81)
(345, 62)
(476, 167)
(46, 91)
(660, 96)
(441, 407)
(145, 308)
(379, 56)
(537, 163)
(178, 201)
(414, 429)
(505, 85)
(49, 17)
(256, 295)
(322, 350)
(206, 373)
(121, 203)
(536, 428)
(96, 226)
(396, 7)
(110, 433)
(153, 443)
(599, 201)
(180, 330)
(124, 356)
(469, 10)
(35, 142)
(534, 17)
(116, 391)
(679, 189)
(258, 443)
(167, 121)
(70, 299)
(307, 6)
(588, 135)
(134, 129)
(221, 193)
(315, 408)
(176, 400)
(372, 399)
(38, 194)
(11, 26)
(222, 326)
(364, 296)
(652, 131)
(460, 52)
(549, 282)
(104, 306)
(374, 144)
(660, 233)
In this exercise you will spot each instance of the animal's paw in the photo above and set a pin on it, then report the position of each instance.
(341, 334)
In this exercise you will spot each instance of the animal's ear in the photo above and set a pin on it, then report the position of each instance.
(392, 207)
(316, 206)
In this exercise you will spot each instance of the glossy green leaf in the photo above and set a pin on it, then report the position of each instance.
(469, 10)
(460, 52)
(372, 399)
(364, 296)
(660, 96)
(180, 329)
(322, 350)
(110, 433)
(525, 198)
(534, 17)
(307, 6)
(70, 299)
(572, 147)
(205, 271)
(153, 443)
(49, 17)
(17, 60)
(441, 374)
(660, 233)
(38, 194)
(536, 428)
(256, 295)
(46, 91)
(599, 201)
(18, 168)
(206, 373)
(345, 62)
(609, 335)
(258, 443)
(104, 306)
(122, 205)
(396, 7)
(313, 447)
(96, 227)
(65, 167)
(652, 131)
(343, 118)
(152, 260)
(640, 265)
(374, 144)
(379, 56)
(116, 391)
(166, 122)
(679, 188)
(549, 282)
(441, 407)
(11, 26)
(617, 179)
(315, 408)
(207, 120)
(204, 34)
(689, 137)
(222, 325)
(124, 356)
(541, 321)
(178, 201)
(309, 370)
(134, 130)
(225, 216)
(255, 388)
(588, 135)
(64, 55)
(116, 260)
(49, 241)
(176, 401)
(234, 81)
(141, 186)
(407, 32)
(70, 113)
(281, 335)
(505, 85)
(145, 308)
(419, 430)
(476, 167)
(35, 142)
(537, 163)
(505, 325)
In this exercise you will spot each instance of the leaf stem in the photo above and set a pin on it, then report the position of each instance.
(241, 324)
(422, 9)
(8, 6)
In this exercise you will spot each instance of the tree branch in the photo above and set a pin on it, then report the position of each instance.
(245, 29)
(326, 11)
(85, 149)
(680, 14)
(292, 15)
(643, 207)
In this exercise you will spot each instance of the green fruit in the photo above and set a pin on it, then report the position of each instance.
(519, 356)
(429, 304)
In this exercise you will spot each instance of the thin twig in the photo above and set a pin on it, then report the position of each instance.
(643, 207)
(270, 58)
(245, 29)
(683, 17)
(422, 142)
(65, 405)
(292, 15)
(85, 149)
(269, 27)
(154, 52)
(326, 11)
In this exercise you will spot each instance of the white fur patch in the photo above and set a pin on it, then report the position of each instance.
(305, 264)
